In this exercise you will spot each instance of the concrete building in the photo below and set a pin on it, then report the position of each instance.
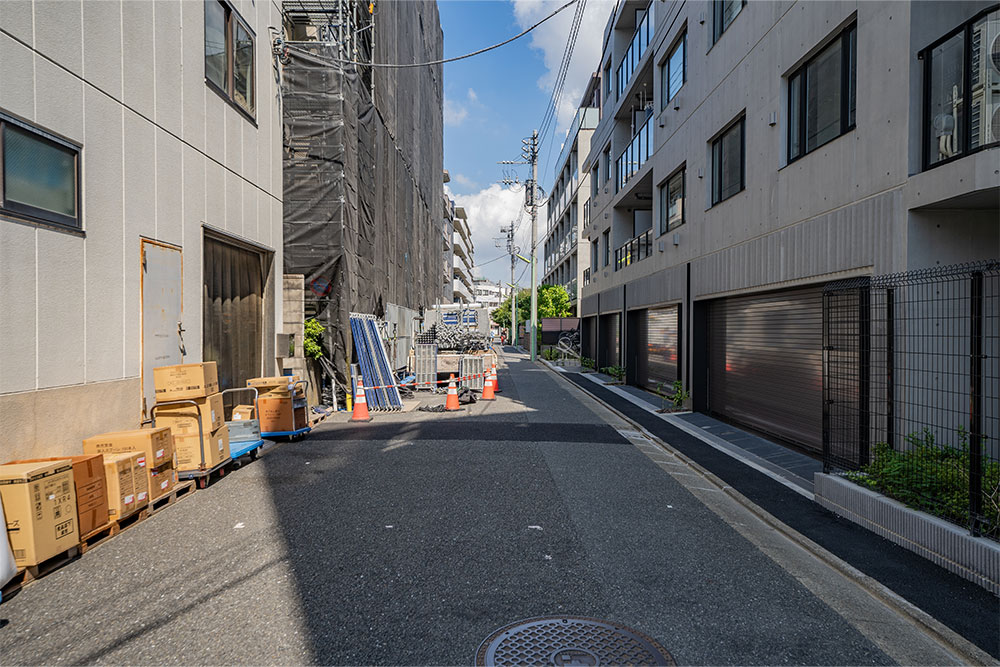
(569, 203)
(140, 215)
(447, 252)
(749, 153)
(487, 293)
(462, 258)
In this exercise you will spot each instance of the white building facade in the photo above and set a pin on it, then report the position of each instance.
(141, 212)
(462, 260)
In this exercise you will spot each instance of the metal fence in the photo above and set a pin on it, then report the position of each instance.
(911, 389)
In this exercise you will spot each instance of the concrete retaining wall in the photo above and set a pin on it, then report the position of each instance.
(952, 547)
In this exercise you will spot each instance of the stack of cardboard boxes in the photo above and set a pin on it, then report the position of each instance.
(89, 487)
(154, 448)
(281, 403)
(39, 503)
(201, 437)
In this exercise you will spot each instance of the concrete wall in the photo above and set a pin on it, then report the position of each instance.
(162, 156)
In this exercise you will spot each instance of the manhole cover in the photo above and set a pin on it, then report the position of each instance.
(569, 640)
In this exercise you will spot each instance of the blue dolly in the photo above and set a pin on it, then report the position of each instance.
(297, 431)
(244, 434)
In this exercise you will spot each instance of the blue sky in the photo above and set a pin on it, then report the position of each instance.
(495, 99)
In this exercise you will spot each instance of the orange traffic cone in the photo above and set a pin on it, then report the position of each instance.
(493, 376)
(451, 403)
(361, 404)
(488, 389)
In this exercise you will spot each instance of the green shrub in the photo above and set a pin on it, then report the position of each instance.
(677, 398)
(933, 478)
(550, 354)
(588, 363)
(617, 372)
(312, 341)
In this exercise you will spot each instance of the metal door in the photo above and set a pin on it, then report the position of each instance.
(766, 363)
(610, 343)
(660, 347)
(162, 312)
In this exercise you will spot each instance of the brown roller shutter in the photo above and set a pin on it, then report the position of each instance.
(766, 363)
(233, 302)
(661, 347)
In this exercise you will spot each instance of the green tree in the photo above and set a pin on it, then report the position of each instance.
(553, 301)
(501, 314)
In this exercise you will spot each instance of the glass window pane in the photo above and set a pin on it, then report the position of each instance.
(730, 8)
(823, 90)
(215, 43)
(663, 209)
(794, 116)
(947, 96)
(676, 67)
(676, 200)
(852, 76)
(38, 172)
(243, 68)
(732, 162)
(984, 97)
(664, 87)
(717, 171)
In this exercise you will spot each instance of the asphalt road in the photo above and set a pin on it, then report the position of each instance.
(410, 539)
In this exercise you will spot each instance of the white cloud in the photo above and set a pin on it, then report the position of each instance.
(454, 113)
(472, 96)
(489, 210)
(462, 179)
(551, 37)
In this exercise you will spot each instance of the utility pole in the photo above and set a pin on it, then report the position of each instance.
(512, 250)
(530, 153)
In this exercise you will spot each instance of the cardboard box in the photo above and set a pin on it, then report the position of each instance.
(275, 414)
(128, 488)
(91, 490)
(189, 449)
(39, 502)
(156, 443)
(162, 481)
(243, 413)
(183, 419)
(173, 383)
(279, 386)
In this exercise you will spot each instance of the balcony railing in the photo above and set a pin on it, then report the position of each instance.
(634, 155)
(634, 250)
(640, 40)
(586, 214)
(586, 276)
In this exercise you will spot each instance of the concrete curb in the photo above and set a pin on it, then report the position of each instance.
(953, 548)
(966, 651)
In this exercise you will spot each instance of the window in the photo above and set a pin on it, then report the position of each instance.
(606, 241)
(595, 184)
(673, 74)
(672, 202)
(607, 163)
(821, 96)
(39, 175)
(229, 55)
(723, 13)
(593, 258)
(607, 81)
(728, 176)
(962, 90)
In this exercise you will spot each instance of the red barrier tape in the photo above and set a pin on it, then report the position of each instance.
(413, 384)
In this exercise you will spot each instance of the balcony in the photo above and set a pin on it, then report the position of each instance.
(634, 155)
(636, 49)
(571, 289)
(634, 250)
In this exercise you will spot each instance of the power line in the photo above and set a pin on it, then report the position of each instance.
(456, 58)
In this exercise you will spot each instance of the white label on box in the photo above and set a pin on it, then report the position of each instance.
(220, 444)
(165, 483)
(142, 496)
(141, 461)
(159, 454)
(213, 416)
(237, 417)
(129, 499)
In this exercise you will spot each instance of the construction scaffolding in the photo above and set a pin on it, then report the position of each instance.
(363, 161)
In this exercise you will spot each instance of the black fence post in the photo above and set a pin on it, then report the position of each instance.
(976, 403)
(890, 366)
(864, 372)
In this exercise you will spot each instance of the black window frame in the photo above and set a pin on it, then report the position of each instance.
(232, 17)
(925, 55)
(717, 197)
(664, 225)
(848, 90)
(606, 160)
(606, 240)
(665, 95)
(717, 19)
(34, 214)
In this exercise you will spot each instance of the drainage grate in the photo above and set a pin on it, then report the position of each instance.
(569, 640)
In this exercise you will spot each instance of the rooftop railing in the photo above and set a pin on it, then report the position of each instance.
(635, 51)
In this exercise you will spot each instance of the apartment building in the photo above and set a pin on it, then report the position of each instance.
(569, 203)
(487, 293)
(750, 152)
(140, 209)
(447, 252)
(462, 260)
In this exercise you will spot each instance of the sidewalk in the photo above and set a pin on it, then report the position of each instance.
(969, 610)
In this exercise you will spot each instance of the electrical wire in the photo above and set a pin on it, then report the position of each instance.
(449, 60)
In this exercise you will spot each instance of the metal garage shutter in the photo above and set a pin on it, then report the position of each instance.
(610, 343)
(233, 302)
(660, 347)
(588, 338)
(766, 363)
